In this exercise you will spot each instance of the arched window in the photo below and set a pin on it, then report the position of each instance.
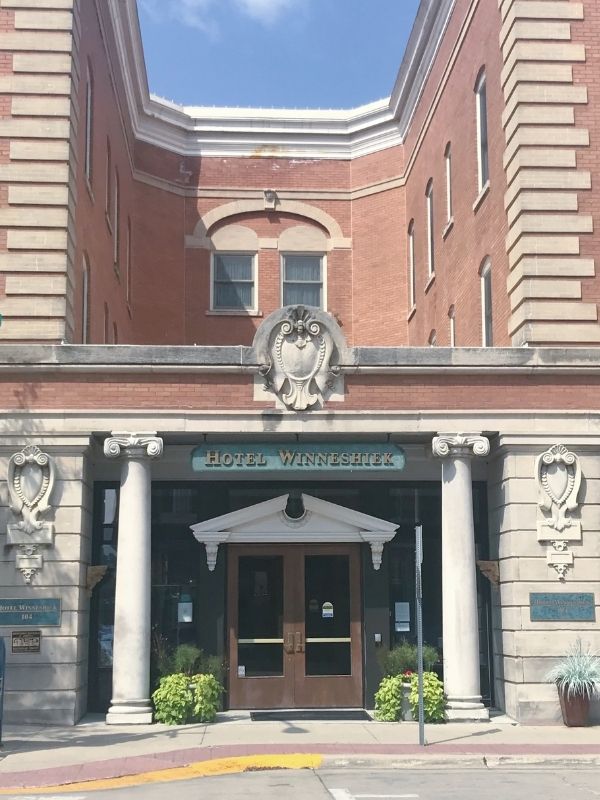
(109, 198)
(483, 167)
(85, 301)
(448, 161)
(128, 257)
(412, 293)
(89, 120)
(106, 323)
(430, 229)
(452, 326)
(487, 337)
(432, 341)
(116, 212)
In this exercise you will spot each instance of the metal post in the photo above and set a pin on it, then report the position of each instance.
(419, 604)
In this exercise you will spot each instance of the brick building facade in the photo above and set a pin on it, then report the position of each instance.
(415, 276)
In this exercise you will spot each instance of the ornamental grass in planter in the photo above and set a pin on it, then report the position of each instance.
(577, 678)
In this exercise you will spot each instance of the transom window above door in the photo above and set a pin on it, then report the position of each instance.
(234, 281)
(302, 280)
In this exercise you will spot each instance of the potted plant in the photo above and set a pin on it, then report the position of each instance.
(577, 678)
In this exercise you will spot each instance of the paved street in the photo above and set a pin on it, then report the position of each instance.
(477, 783)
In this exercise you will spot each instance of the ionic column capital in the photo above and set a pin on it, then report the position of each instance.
(133, 445)
(460, 445)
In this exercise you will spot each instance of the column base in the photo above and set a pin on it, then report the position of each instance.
(129, 714)
(466, 709)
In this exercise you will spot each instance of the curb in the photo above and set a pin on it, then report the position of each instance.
(126, 774)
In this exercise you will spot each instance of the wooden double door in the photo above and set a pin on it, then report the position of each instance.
(294, 626)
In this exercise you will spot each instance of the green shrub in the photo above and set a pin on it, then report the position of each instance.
(173, 699)
(434, 701)
(185, 659)
(403, 658)
(183, 698)
(388, 699)
(207, 693)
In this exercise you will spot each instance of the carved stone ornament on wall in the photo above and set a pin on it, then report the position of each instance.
(299, 350)
(30, 484)
(558, 475)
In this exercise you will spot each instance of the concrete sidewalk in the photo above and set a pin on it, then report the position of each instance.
(36, 756)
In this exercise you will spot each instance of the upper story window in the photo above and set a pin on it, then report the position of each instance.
(430, 229)
(116, 212)
(483, 168)
(109, 198)
(448, 160)
(85, 301)
(432, 341)
(233, 281)
(128, 257)
(487, 338)
(302, 280)
(412, 288)
(89, 113)
(452, 326)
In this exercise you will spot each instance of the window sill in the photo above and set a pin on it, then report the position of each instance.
(411, 313)
(448, 227)
(430, 282)
(482, 195)
(233, 312)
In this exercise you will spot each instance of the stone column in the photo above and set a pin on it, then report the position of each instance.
(130, 702)
(459, 586)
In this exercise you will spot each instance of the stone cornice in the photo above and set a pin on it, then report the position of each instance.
(21, 359)
(193, 130)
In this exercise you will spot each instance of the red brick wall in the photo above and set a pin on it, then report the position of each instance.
(475, 234)
(367, 287)
(93, 234)
(404, 392)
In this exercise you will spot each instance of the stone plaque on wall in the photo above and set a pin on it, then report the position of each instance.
(562, 607)
(26, 641)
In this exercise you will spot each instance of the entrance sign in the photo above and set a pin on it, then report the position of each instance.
(38, 611)
(306, 456)
(559, 606)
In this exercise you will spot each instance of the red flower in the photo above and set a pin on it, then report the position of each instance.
(408, 672)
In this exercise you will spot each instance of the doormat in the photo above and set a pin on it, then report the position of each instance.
(312, 715)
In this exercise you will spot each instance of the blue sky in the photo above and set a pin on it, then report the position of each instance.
(274, 53)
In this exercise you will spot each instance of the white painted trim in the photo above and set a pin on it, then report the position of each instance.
(412, 285)
(448, 162)
(429, 196)
(349, 133)
(266, 523)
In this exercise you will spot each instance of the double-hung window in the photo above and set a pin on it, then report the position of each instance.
(483, 166)
(302, 280)
(233, 282)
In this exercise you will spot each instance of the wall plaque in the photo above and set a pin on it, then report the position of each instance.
(562, 606)
(292, 457)
(26, 641)
(38, 611)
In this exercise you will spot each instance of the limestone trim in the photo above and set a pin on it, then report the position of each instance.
(296, 207)
(542, 203)
(558, 478)
(30, 480)
(460, 445)
(133, 445)
(42, 127)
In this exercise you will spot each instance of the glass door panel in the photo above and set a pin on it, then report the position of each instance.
(260, 616)
(327, 615)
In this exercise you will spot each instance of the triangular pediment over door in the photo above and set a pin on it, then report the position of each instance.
(267, 523)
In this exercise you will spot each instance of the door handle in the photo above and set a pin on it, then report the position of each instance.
(289, 644)
(299, 642)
